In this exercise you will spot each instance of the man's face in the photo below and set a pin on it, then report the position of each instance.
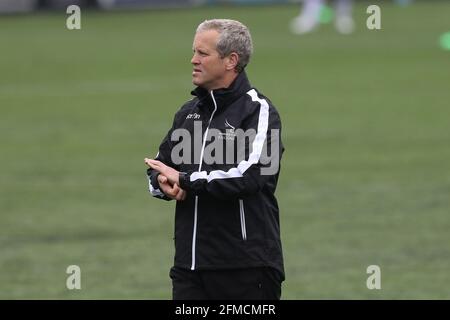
(209, 68)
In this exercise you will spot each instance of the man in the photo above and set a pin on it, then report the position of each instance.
(227, 235)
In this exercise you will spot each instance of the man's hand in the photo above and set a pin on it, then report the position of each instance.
(170, 173)
(168, 179)
(173, 192)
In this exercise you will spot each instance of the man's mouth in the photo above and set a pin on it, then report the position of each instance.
(196, 71)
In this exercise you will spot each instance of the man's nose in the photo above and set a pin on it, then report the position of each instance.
(194, 59)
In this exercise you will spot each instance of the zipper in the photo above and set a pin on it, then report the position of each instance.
(194, 232)
(242, 214)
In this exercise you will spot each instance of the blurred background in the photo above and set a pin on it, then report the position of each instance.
(365, 179)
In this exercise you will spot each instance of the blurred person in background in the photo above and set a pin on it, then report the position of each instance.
(403, 2)
(309, 17)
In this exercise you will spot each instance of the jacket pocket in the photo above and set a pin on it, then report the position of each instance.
(242, 216)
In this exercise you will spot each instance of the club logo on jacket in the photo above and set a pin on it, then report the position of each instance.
(229, 126)
(230, 132)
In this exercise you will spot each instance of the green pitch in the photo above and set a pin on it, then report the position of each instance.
(365, 177)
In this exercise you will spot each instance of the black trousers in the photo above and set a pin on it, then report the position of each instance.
(262, 283)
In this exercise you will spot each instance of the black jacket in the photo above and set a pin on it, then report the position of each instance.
(230, 217)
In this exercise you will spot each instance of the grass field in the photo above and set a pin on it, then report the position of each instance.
(365, 176)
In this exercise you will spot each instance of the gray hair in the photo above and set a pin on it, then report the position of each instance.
(233, 37)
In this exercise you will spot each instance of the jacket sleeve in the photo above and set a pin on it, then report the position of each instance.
(261, 162)
(164, 155)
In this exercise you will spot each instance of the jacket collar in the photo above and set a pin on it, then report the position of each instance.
(224, 96)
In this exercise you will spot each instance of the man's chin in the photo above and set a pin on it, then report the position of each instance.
(196, 82)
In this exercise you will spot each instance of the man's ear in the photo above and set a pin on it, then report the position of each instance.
(232, 61)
